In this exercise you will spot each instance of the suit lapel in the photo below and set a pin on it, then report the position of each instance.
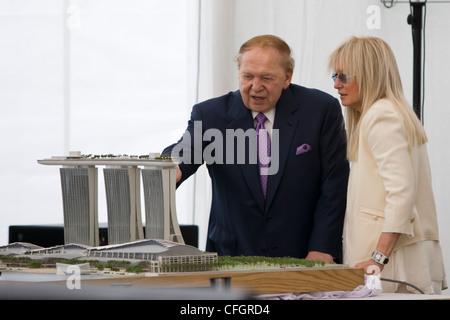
(241, 118)
(286, 124)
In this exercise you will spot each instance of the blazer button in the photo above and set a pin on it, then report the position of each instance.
(375, 217)
(412, 219)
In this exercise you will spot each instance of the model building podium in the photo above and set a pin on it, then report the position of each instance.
(122, 175)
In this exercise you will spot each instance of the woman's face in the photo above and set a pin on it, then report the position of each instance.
(348, 90)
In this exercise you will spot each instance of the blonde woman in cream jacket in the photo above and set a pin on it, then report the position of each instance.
(391, 222)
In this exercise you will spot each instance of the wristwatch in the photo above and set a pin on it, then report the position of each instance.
(380, 258)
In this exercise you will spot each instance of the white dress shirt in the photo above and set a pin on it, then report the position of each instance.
(268, 125)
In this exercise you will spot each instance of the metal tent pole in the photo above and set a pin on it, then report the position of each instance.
(415, 19)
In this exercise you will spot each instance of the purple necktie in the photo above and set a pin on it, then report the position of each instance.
(263, 140)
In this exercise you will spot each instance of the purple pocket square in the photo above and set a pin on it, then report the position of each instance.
(303, 148)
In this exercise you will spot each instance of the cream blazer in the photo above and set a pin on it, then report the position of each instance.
(389, 187)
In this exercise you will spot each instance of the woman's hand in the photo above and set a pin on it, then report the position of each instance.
(386, 244)
(370, 267)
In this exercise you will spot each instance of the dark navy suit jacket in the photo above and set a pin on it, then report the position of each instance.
(305, 204)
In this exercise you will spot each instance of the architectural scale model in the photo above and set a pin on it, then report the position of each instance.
(159, 255)
(122, 175)
(188, 266)
(166, 264)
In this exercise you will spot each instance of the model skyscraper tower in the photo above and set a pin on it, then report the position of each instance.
(122, 186)
(79, 193)
(159, 195)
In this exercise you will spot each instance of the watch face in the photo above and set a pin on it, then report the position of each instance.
(378, 257)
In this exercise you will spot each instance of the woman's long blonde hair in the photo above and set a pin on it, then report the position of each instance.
(372, 63)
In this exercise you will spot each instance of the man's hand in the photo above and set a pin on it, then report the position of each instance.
(316, 255)
(178, 174)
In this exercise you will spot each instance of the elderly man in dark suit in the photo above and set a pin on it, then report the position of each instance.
(283, 199)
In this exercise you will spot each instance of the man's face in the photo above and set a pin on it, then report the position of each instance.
(262, 78)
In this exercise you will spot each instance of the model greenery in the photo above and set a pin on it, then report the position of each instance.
(226, 263)
(113, 156)
(266, 262)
